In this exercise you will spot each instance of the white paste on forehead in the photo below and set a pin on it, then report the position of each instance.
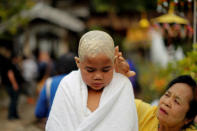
(95, 42)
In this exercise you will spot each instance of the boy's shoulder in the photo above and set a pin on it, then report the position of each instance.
(120, 81)
(72, 76)
(120, 78)
(71, 81)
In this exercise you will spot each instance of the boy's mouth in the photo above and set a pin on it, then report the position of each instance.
(98, 84)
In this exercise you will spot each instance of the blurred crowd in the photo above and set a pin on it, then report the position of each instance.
(26, 74)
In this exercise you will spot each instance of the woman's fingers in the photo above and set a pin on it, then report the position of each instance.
(121, 66)
(120, 58)
(116, 51)
(130, 74)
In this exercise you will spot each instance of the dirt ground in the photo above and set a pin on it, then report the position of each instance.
(27, 121)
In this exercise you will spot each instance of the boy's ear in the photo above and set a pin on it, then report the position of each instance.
(77, 61)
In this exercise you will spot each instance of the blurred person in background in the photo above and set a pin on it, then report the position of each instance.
(64, 66)
(134, 79)
(45, 68)
(11, 80)
(30, 73)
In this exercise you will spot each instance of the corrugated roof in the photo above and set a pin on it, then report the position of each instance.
(45, 12)
(55, 16)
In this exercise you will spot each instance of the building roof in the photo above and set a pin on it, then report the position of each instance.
(53, 15)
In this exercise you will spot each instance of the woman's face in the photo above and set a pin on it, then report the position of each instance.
(174, 105)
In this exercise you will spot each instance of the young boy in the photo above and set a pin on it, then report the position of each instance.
(94, 98)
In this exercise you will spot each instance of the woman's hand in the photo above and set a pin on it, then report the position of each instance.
(121, 65)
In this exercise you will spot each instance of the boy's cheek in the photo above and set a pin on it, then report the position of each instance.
(86, 76)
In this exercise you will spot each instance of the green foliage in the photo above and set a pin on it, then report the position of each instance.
(123, 5)
(10, 17)
(102, 5)
(9, 8)
(186, 66)
(96, 27)
(154, 79)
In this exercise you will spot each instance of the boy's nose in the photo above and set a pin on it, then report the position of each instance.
(98, 76)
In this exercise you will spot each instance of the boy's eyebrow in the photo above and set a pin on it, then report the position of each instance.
(107, 67)
(88, 67)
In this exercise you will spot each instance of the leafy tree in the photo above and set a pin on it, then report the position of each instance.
(10, 18)
(187, 65)
(123, 5)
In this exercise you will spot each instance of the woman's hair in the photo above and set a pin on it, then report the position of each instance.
(188, 80)
(95, 42)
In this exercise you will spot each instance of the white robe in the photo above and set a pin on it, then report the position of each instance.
(116, 110)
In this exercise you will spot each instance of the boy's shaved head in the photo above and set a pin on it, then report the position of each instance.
(95, 42)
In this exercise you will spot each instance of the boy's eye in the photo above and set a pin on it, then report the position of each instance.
(90, 70)
(106, 70)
